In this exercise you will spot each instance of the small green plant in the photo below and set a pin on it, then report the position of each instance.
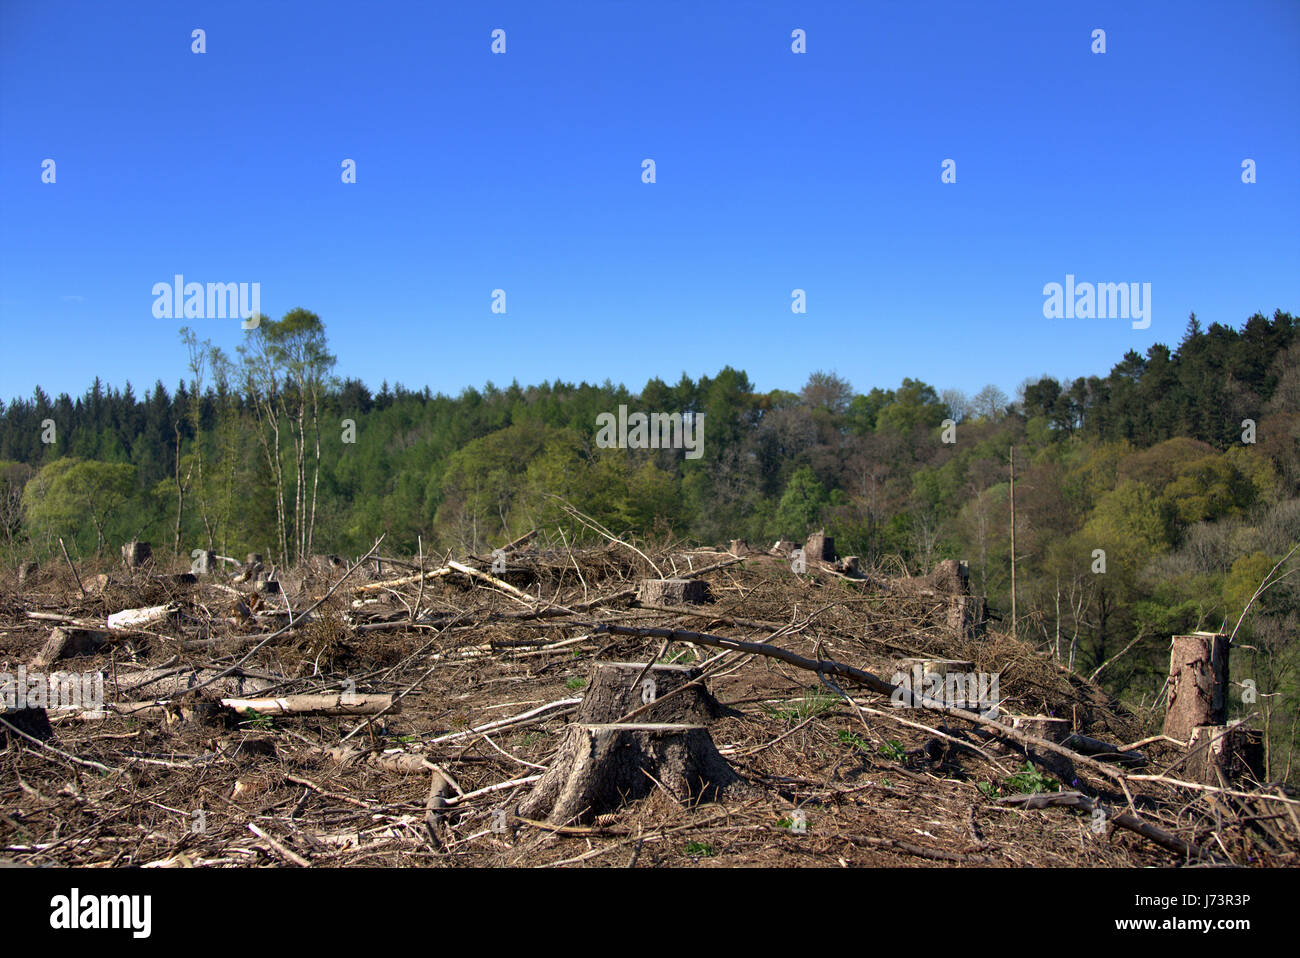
(893, 750)
(700, 850)
(679, 656)
(815, 702)
(257, 720)
(1028, 780)
(857, 741)
(531, 738)
(575, 683)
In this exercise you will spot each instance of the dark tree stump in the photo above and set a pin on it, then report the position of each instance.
(66, 643)
(739, 547)
(599, 768)
(611, 695)
(1198, 682)
(33, 721)
(27, 573)
(136, 554)
(671, 591)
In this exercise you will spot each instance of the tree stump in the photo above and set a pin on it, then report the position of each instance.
(611, 695)
(671, 591)
(739, 547)
(27, 573)
(267, 586)
(1198, 682)
(205, 562)
(599, 768)
(31, 720)
(253, 558)
(136, 554)
(820, 547)
(66, 643)
(1224, 753)
(782, 547)
(1054, 730)
(849, 565)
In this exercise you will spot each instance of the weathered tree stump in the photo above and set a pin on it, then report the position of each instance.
(27, 573)
(253, 558)
(66, 643)
(848, 565)
(1198, 682)
(598, 768)
(32, 720)
(739, 547)
(1224, 753)
(267, 586)
(671, 591)
(612, 694)
(135, 554)
(1054, 730)
(782, 547)
(820, 547)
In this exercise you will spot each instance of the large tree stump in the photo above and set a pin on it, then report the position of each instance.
(1219, 754)
(66, 643)
(136, 554)
(820, 547)
(1198, 682)
(615, 691)
(32, 720)
(671, 591)
(782, 547)
(739, 547)
(598, 768)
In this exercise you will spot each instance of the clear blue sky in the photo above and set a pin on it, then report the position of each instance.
(523, 171)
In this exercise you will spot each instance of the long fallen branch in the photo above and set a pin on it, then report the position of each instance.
(1124, 820)
(872, 682)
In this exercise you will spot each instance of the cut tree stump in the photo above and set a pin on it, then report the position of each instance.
(739, 547)
(782, 547)
(671, 591)
(1054, 730)
(611, 694)
(599, 768)
(1219, 754)
(27, 573)
(66, 643)
(32, 720)
(1198, 682)
(820, 547)
(135, 554)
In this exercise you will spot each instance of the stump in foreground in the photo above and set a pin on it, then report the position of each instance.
(601, 767)
(1198, 682)
(619, 688)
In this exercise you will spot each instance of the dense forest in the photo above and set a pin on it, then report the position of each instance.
(1156, 499)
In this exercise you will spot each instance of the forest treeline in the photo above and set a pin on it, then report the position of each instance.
(1152, 500)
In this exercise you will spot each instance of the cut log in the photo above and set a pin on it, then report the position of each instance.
(671, 591)
(136, 554)
(1220, 754)
(617, 688)
(1198, 682)
(145, 618)
(341, 703)
(599, 768)
(820, 547)
(170, 682)
(66, 643)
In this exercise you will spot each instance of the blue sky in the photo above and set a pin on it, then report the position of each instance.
(522, 171)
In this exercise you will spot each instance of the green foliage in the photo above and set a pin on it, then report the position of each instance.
(894, 751)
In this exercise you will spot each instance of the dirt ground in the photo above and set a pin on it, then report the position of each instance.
(828, 783)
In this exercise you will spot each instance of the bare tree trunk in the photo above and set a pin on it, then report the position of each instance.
(180, 494)
(1013, 542)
